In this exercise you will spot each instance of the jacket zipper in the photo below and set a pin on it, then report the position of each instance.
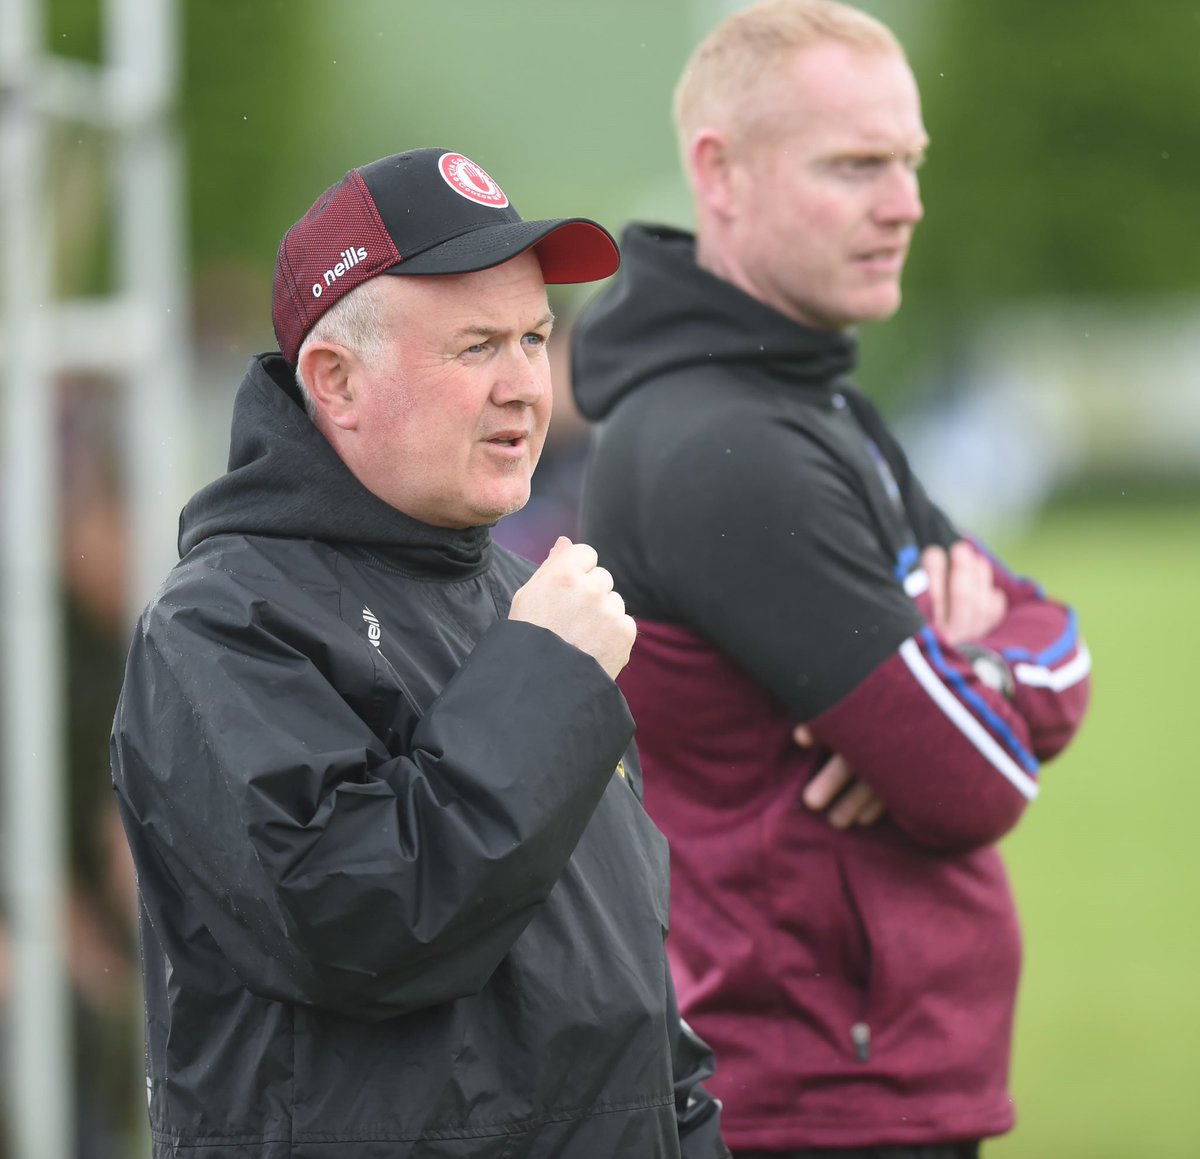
(860, 1036)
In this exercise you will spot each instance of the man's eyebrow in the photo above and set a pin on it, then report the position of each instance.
(479, 330)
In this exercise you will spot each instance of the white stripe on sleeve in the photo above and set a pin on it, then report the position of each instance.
(1056, 679)
(910, 652)
(916, 582)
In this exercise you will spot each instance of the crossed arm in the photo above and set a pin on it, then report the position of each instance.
(863, 647)
(970, 601)
(965, 605)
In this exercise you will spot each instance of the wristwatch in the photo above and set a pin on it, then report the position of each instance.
(990, 667)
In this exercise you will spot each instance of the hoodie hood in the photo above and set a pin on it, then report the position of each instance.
(285, 480)
(664, 313)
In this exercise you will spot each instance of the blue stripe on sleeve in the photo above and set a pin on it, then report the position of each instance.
(906, 561)
(980, 706)
(1060, 649)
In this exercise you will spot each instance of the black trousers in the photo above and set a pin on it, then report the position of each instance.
(938, 1151)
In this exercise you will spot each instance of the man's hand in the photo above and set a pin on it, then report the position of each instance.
(835, 788)
(574, 598)
(967, 605)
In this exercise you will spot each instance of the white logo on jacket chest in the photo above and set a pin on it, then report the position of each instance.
(374, 631)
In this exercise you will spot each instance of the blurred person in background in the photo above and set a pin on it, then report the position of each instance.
(843, 702)
(99, 907)
(399, 896)
(101, 914)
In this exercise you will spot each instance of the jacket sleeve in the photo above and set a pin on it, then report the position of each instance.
(788, 576)
(330, 871)
(972, 751)
(1038, 638)
(1051, 666)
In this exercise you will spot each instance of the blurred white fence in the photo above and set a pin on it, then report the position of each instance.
(137, 336)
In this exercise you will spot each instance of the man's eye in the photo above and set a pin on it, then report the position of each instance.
(859, 165)
(477, 348)
(534, 340)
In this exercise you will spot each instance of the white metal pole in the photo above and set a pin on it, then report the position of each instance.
(41, 1102)
(141, 55)
(141, 61)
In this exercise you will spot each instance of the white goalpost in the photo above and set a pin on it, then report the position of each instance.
(138, 336)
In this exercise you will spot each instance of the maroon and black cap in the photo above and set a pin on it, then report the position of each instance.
(428, 211)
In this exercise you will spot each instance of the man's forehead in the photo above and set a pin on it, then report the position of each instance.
(446, 307)
(835, 98)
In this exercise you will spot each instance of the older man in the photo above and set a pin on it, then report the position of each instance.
(842, 702)
(399, 894)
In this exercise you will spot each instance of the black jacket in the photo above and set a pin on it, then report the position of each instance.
(399, 894)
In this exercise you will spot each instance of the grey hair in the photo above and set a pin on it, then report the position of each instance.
(356, 322)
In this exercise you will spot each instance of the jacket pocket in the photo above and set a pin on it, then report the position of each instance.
(941, 955)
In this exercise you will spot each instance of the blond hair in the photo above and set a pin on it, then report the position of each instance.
(722, 84)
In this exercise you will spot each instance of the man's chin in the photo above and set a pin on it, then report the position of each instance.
(494, 510)
(881, 305)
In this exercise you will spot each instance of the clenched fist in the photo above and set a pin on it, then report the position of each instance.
(573, 597)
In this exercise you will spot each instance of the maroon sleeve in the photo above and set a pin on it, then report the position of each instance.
(956, 761)
(948, 757)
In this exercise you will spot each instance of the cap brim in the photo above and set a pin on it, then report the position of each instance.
(570, 249)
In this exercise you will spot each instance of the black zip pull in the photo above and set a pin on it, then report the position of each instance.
(860, 1035)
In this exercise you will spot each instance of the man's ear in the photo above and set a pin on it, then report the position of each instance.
(326, 369)
(711, 167)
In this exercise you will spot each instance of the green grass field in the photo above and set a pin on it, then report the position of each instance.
(1105, 864)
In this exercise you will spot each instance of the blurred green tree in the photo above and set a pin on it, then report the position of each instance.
(1066, 151)
(1065, 162)
(245, 103)
(1066, 154)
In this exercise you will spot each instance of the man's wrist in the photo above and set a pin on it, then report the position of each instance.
(991, 668)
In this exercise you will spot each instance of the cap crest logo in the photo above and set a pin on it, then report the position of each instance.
(471, 181)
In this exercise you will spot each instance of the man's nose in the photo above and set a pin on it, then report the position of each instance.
(900, 200)
(520, 377)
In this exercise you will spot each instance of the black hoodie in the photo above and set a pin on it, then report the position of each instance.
(735, 390)
(395, 900)
(664, 314)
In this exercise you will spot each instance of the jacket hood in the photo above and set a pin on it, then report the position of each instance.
(664, 313)
(285, 480)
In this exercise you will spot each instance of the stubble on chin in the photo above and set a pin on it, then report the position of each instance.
(497, 508)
